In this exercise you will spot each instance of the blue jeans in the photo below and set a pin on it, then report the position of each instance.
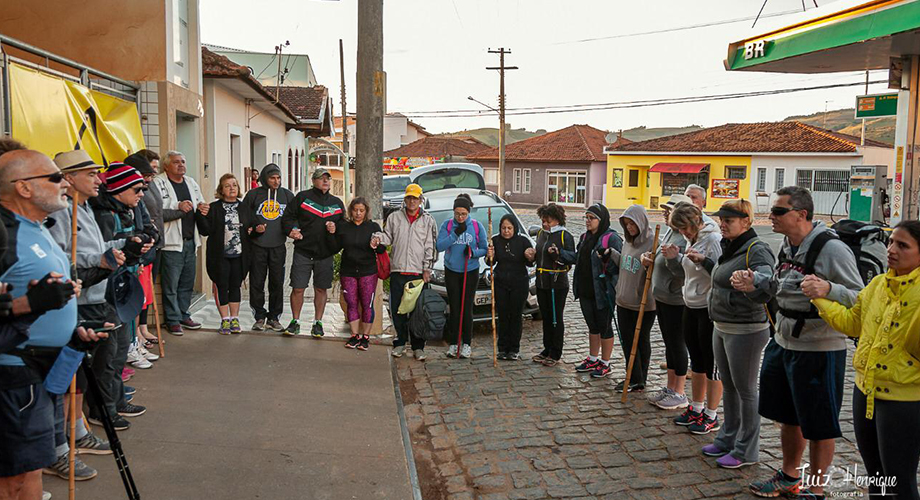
(178, 281)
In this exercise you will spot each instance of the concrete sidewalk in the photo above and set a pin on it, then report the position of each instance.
(253, 416)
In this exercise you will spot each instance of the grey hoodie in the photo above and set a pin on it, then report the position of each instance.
(698, 279)
(632, 272)
(835, 264)
(668, 278)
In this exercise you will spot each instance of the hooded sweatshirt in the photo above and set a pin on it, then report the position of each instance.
(631, 281)
(697, 277)
(268, 204)
(596, 273)
(455, 247)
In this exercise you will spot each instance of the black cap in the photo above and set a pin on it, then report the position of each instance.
(729, 212)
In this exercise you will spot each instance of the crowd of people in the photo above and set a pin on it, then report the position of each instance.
(758, 334)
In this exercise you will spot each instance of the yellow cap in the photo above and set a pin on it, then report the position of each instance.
(414, 190)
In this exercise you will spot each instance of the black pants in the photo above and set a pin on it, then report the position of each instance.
(401, 321)
(627, 319)
(599, 321)
(671, 324)
(455, 294)
(698, 336)
(103, 357)
(228, 289)
(267, 262)
(552, 303)
(889, 443)
(509, 306)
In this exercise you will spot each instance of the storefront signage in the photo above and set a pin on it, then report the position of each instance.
(725, 188)
(873, 106)
(755, 49)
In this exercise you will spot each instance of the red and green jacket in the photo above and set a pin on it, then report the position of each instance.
(309, 211)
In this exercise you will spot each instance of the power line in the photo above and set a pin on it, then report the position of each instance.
(540, 110)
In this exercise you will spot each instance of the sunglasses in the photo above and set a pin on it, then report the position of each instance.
(139, 190)
(55, 178)
(781, 211)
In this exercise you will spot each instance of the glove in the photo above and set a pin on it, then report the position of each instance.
(6, 305)
(460, 228)
(44, 296)
(133, 248)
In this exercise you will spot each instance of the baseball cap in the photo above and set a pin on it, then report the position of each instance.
(675, 199)
(319, 172)
(414, 190)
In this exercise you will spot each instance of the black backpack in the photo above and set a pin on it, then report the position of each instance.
(428, 319)
(869, 244)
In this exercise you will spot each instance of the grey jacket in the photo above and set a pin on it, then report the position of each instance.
(727, 305)
(835, 264)
(154, 203)
(413, 245)
(668, 278)
(697, 277)
(90, 245)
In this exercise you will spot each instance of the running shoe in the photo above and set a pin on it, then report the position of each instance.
(61, 469)
(259, 325)
(90, 444)
(235, 327)
(705, 425)
(601, 370)
(688, 417)
(317, 330)
(672, 401)
(466, 351)
(398, 351)
(776, 486)
(451, 351)
(224, 327)
(728, 461)
(190, 324)
(292, 329)
(275, 325)
(352, 342)
(711, 450)
(587, 365)
(365, 342)
(130, 410)
(149, 356)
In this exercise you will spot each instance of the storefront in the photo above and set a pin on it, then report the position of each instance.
(854, 35)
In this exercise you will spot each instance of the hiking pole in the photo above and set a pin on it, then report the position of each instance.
(492, 284)
(635, 342)
(156, 315)
(72, 453)
(466, 263)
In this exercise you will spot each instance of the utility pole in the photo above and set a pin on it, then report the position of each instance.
(501, 113)
(345, 173)
(371, 103)
(278, 76)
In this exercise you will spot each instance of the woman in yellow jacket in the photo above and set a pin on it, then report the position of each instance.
(886, 406)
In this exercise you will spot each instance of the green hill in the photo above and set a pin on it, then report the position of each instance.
(841, 120)
(489, 136)
(643, 134)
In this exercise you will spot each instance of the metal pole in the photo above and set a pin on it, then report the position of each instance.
(278, 76)
(345, 173)
(501, 113)
(7, 101)
(371, 95)
(862, 135)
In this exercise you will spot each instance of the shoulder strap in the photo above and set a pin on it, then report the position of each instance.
(747, 254)
(814, 250)
(450, 223)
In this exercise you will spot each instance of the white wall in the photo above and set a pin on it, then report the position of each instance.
(791, 164)
(879, 156)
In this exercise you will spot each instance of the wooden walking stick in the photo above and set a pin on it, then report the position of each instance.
(156, 315)
(492, 284)
(635, 342)
(72, 454)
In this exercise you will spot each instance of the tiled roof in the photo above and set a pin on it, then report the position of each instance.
(218, 66)
(577, 143)
(437, 146)
(306, 102)
(774, 137)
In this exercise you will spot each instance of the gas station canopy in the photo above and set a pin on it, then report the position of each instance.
(860, 36)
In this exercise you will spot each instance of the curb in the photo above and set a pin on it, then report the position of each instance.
(404, 428)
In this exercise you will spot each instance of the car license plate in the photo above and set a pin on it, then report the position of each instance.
(483, 300)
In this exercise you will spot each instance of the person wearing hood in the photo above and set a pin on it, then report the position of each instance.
(269, 250)
(146, 162)
(512, 253)
(630, 284)
(703, 250)
(463, 240)
(555, 255)
(667, 286)
(742, 328)
(594, 286)
(805, 348)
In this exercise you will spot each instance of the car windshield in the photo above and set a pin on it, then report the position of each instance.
(394, 184)
(450, 178)
(480, 214)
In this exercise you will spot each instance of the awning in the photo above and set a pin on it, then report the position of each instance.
(678, 168)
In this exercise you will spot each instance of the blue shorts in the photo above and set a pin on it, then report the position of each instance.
(803, 388)
(26, 430)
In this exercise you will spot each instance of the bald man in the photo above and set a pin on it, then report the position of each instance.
(31, 187)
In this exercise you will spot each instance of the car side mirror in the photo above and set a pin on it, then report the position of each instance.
(533, 230)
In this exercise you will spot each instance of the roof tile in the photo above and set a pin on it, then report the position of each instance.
(576, 143)
(437, 147)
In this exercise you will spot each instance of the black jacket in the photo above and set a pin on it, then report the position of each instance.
(358, 258)
(553, 270)
(118, 221)
(214, 225)
(510, 263)
(309, 211)
(267, 206)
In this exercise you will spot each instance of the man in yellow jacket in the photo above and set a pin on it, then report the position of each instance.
(886, 406)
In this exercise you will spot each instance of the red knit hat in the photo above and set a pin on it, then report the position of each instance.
(119, 177)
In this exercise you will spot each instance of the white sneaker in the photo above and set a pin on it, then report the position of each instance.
(397, 352)
(466, 351)
(149, 356)
(137, 361)
(46, 495)
(451, 351)
(419, 354)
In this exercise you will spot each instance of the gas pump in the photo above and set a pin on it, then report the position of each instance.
(867, 192)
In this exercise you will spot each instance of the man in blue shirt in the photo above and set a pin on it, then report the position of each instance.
(34, 267)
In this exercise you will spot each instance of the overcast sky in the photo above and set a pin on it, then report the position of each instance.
(435, 54)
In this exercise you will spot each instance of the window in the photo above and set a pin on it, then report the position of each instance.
(296, 172)
(491, 175)
(633, 178)
(803, 178)
(761, 179)
(567, 187)
(735, 172)
(525, 188)
(617, 180)
(833, 181)
(518, 177)
(290, 169)
(780, 179)
(330, 160)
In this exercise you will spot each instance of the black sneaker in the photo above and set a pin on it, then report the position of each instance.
(90, 444)
(118, 422)
(352, 342)
(601, 370)
(687, 418)
(512, 356)
(705, 424)
(364, 343)
(317, 331)
(292, 329)
(130, 410)
(635, 387)
(587, 365)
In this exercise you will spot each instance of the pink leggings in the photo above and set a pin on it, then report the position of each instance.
(361, 290)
